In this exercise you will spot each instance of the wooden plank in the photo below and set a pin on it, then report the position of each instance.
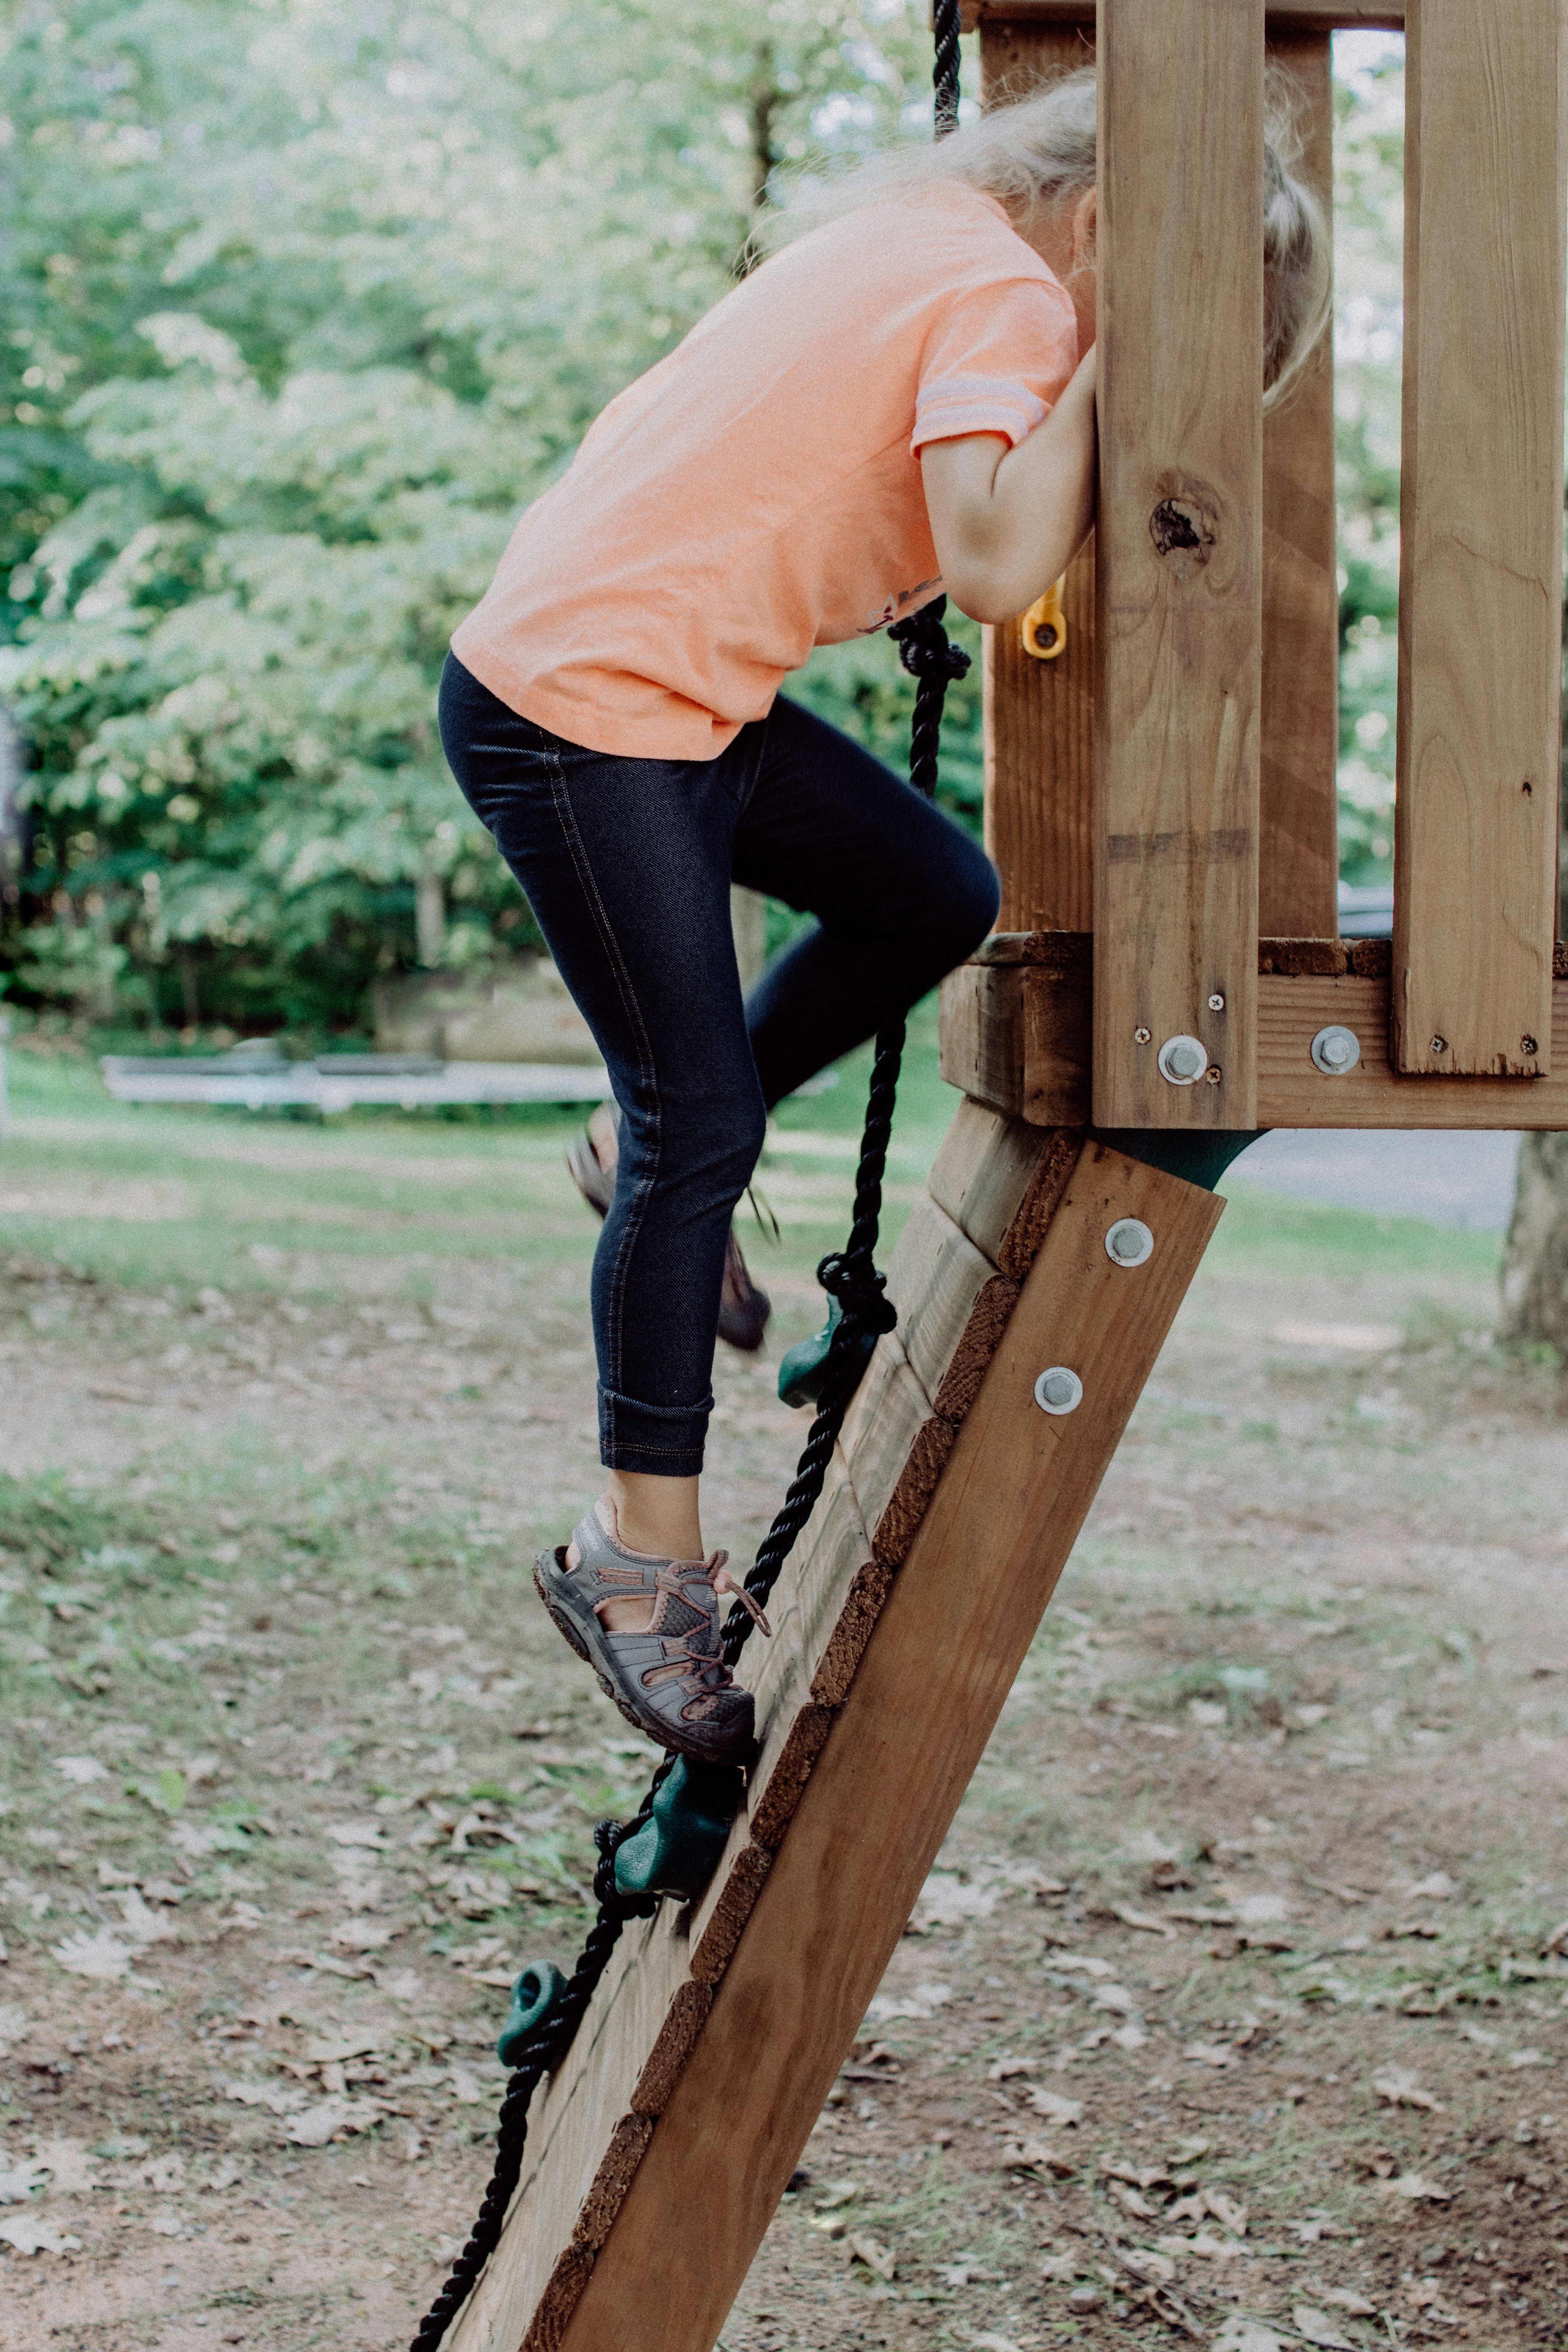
(1480, 588)
(996, 1185)
(1298, 857)
(1039, 716)
(1286, 15)
(1180, 542)
(1324, 991)
(937, 1278)
(894, 1768)
(980, 1036)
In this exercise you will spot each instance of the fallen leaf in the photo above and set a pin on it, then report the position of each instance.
(169, 2225)
(143, 1926)
(1130, 2037)
(1210, 2248)
(81, 1768)
(832, 2225)
(1033, 2155)
(1226, 2209)
(164, 2173)
(358, 1833)
(1067, 2113)
(989, 2342)
(1400, 2088)
(1210, 2054)
(29, 2233)
(1145, 2264)
(334, 2053)
(1004, 2069)
(1145, 1919)
(69, 2164)
(945, 1901)
(1257, 1910)
(1412, 2185)
(18, 2181)
(1319, 2328)
(359, 1935)
(1079, 1964)
(1188, 2150)
(1060, 2266)
(1240, 2335)
(1133, 2201)
(332, 2119)
(1528, 2058)
(833, 2193)
(1344, 2298)
(263, 2095)
(875, 2256)
(102, 1957)
(1438, 1888)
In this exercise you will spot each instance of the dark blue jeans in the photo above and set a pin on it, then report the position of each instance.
(627, 864)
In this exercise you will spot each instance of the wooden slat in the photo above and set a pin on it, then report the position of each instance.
(940, 1662)
(1288, 16)
(1322, 990)
(1298, 861)
(1039, 716)
(1179, 546)
(1480, 590)
(980, 1033)
(996, 1185)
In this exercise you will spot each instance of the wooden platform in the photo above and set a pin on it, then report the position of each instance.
(1015, 1033)
(900, 1624)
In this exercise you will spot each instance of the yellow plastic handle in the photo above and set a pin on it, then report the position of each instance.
(1045, 625)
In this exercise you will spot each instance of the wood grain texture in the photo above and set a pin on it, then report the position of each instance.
(1039, 716)
(990, 1175)
(935, 1276)
(965, 1605)
(1288, 16)
(1298, 849)
(1480, 587)
(980, 1033)
(1180, 539)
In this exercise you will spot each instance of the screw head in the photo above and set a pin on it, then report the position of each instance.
(1529, 1045)
(1440, 1045)
(1140, 1036)
(1058, 1390)
(1183, 1060)
(1217, 1003)
(1335, 1051)
(1129, 1241)
(1213, 1074)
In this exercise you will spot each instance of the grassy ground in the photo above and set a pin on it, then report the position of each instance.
(1261, 1876)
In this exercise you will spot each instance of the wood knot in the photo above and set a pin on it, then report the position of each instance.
(1182, 529)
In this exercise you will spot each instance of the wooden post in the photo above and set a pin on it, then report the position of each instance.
(1039, 716)
(1180, 545)
(1481, 589)
(702, 2068)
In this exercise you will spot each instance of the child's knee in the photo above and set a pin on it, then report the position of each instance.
(974, 902)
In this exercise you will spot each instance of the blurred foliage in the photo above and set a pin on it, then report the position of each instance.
(302, 302)
(305, 301)
(1369, 200)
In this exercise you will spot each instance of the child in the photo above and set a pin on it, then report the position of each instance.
(899, 404)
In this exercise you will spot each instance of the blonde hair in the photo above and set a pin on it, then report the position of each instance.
(1041, 150)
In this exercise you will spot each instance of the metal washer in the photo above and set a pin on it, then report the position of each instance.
(1059, 1390)
(1129, 1241)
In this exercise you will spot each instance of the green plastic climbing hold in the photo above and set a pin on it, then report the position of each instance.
(677, 1850)
(804, 1365)
(533, 1996)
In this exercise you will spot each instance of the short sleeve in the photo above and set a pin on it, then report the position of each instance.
(998, 360)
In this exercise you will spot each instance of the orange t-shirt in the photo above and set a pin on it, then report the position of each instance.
(759, 492)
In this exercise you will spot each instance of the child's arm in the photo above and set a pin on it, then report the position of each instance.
(1007, 521)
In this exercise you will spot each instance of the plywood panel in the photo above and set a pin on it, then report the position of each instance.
(1180, 542)
(1480, 588)
(1299, 835)
(891, 1777)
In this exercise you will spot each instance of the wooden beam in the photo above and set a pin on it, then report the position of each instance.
(1480, 590)
(1039, 715)
(832, 1907)
(1048, 1031)
(1180, 549)
(1286, 15)
(1298, 853)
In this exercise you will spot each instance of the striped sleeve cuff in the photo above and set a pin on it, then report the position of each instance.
(948, 406)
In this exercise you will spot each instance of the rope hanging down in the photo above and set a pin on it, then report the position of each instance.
(850, 1277)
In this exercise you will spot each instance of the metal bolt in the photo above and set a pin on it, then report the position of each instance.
(1527, 1046)
(1129, 1241)
(1183, 1060)
(1140, 1036)
(1335, 1051)
(1440, 1045)
(1213, 1074)
(1217, 1003)
(1058, 1390)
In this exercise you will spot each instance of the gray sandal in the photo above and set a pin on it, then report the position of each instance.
(671, 1680)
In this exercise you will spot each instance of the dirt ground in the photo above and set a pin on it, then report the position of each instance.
(1232, 2015)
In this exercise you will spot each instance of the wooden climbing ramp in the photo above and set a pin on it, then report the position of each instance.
(911, 1600)
(1161, 803)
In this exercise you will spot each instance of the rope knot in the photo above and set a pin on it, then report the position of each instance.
(925, 649)
(859, 1292)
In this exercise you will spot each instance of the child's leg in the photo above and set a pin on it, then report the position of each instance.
(901, 895)
(627, 866)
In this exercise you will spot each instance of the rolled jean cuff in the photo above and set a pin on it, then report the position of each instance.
(661, 1441)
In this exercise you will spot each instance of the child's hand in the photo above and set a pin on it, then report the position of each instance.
(1008, 522)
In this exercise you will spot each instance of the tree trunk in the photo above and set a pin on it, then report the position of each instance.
(1535, 1268)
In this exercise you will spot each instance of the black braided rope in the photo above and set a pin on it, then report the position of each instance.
(849, 1276)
